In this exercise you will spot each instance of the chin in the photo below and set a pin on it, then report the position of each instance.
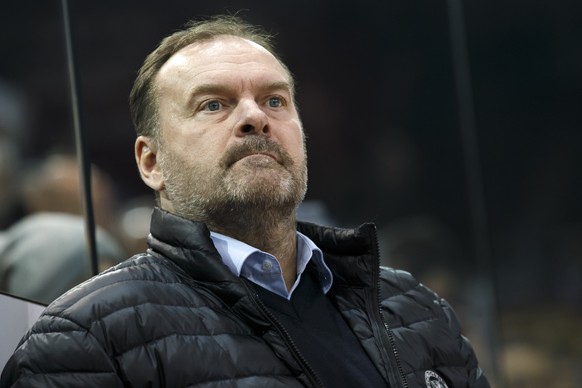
(264, 186)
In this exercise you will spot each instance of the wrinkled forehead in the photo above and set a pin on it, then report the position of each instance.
(225, 50)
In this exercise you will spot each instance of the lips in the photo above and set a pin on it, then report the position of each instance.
(268, 154)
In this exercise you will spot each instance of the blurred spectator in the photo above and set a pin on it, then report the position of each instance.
(54, 185)
(541, 349)
(526, 365)
(134, 223)
(45, 254)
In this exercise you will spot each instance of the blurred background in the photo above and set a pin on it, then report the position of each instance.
(493, 225)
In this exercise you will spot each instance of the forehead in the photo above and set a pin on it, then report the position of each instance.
(221, 56)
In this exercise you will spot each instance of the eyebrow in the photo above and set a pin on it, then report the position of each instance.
(280, 85)
(212, 88)
(206, 89)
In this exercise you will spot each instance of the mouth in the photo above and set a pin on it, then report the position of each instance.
(258, 159)
(260, 155)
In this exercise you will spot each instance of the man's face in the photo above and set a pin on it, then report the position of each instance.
(231, 139)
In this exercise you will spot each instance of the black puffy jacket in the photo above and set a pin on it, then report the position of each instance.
(177, 317)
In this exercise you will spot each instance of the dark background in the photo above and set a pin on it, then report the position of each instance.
(376, 90)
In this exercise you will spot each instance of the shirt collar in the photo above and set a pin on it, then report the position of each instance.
(235, 253)
(306, 250)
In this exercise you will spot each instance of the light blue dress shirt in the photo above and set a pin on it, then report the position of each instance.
(264, 269)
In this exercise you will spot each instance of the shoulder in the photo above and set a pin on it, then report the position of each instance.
(135, 285)
(73, 335)
(397, 280)
(396, 283)
(137, 302)
(407, 301)
(427, 331)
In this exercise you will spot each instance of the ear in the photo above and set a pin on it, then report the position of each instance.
(147, 162)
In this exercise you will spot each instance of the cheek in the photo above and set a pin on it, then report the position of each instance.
(208, 156)
(296, 152)
(297, 146)
(199, 148)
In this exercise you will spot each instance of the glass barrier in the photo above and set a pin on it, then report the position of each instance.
(376, 92)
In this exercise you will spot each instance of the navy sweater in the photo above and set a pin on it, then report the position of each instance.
(322, 336)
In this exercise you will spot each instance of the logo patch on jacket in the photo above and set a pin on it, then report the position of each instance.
(433, 380)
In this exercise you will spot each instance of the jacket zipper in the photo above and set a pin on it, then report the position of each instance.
(286, 337)
(386, 328)
(395, 353)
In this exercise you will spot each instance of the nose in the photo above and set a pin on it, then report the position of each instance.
(252, 120)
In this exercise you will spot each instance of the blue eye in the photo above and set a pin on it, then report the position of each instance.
(275, 102)
(213, 106)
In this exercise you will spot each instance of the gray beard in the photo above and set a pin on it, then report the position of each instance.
(231, 198)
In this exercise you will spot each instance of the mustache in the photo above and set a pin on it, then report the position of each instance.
(255, 145)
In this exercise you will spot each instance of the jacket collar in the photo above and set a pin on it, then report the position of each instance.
(351, 254)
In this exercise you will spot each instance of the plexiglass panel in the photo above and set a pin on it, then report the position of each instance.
(376, 91)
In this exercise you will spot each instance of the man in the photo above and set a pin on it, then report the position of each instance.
(233, 291)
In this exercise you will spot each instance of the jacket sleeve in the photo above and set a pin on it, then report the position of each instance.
(476, 377)
(57, 352)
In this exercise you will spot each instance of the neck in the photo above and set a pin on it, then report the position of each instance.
(274, 235)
